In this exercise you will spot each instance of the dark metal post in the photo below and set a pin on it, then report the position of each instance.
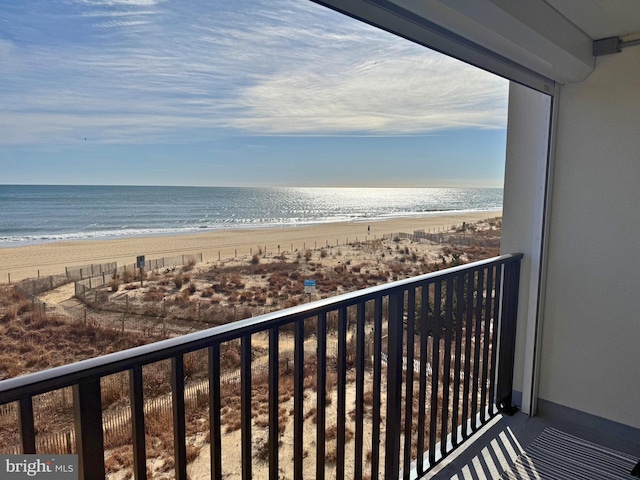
(360, 367)
(245, 405)
(507, 346)
(377, 383)
(342, 382)
(27, 430)
(298, 399)
(214, 411)
(274, 371)
(137, 423)
(394, 385)
(321, 397)
(179, 421)
(87, 412)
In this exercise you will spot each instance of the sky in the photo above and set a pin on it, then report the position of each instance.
(236, 92)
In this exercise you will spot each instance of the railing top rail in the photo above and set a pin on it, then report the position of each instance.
(58, 377)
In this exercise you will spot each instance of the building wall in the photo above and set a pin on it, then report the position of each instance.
(590, 353)
(524, 191)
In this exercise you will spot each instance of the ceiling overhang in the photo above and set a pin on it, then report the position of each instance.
(526, 41)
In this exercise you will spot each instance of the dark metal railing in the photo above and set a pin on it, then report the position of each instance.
(447, 340)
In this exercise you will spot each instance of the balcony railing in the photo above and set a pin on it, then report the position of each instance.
(436, 352)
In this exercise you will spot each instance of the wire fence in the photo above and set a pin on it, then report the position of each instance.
(150, 322)
(446, 237)
(85, 285)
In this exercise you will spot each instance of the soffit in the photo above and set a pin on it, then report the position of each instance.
(552, 38)
(601, 18)
(531, 33)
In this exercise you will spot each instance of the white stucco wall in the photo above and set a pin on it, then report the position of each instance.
(524, 190)
(591, 335)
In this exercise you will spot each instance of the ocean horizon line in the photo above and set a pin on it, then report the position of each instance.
(381, 187)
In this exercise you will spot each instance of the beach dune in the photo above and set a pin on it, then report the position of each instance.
(17, 263)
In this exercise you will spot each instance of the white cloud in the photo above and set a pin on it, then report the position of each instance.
(412, 93)
(144, 70)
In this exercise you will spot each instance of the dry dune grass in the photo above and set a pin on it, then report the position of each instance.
(43, 341)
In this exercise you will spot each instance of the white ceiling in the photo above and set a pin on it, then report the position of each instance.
(601, 18)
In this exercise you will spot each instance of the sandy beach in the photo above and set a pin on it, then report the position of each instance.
(22, 262)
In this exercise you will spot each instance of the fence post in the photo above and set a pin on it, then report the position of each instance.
(66, 272)
(85, 316)
(9, 278)
(126, 309)
(218, 255)
(51, 282)
(182, 259)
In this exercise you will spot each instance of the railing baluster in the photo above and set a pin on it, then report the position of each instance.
(422, 395)
(87, 412)
(448, 325)
(245, 405)
(485, 345)
(457, 365)
(360, 367)
(274, 405)
(494, 338)
(179, 421)
(408, 393)
(342, 392)
(476, 349)
(465, 313)
(25, 423)
(298, 400)
(321, 402)
(137, 423)
(377, 383)
(215, 425)
(435, 365)
(394, 385)
(508, 336)
(467, 353)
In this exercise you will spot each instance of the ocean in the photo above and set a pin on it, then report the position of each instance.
(43, 213)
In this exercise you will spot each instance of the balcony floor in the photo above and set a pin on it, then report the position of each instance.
(496, 447)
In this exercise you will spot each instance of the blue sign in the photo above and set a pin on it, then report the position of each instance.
(309, 283)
